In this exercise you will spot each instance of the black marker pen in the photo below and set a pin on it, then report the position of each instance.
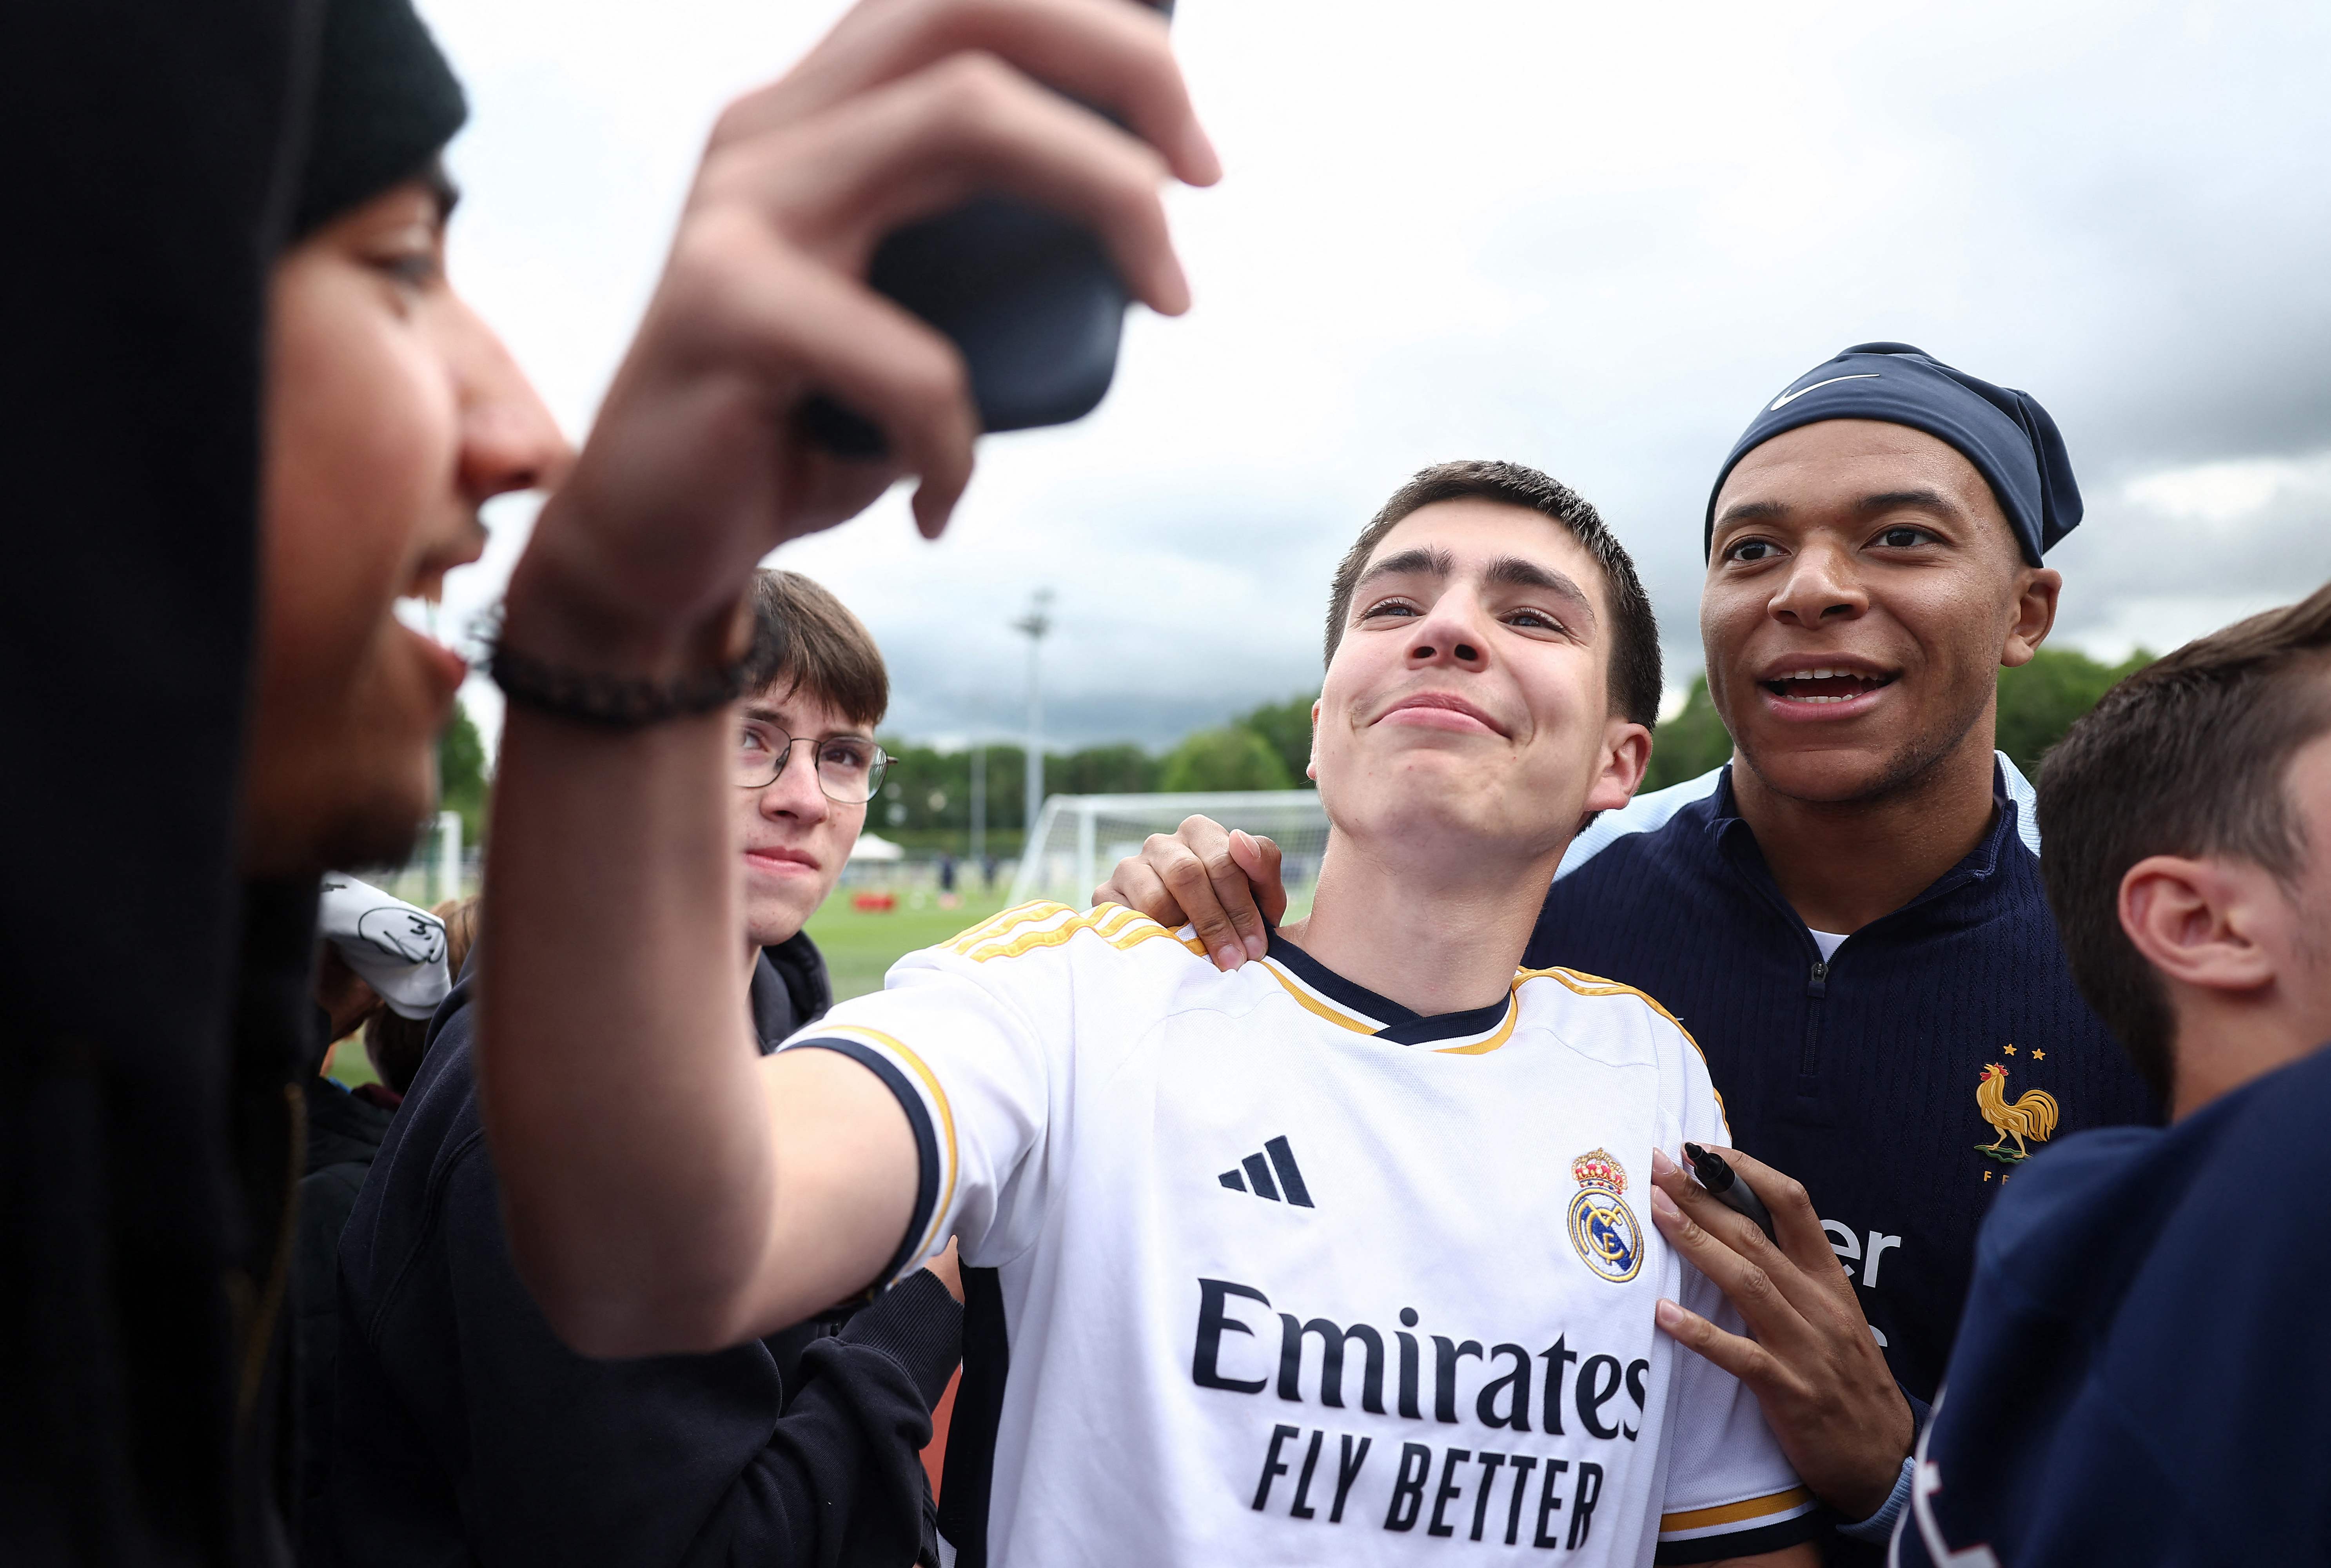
(1728, 1189)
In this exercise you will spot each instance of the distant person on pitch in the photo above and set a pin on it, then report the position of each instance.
(1339, 1257)
(2139, 1376)
(1849, 915)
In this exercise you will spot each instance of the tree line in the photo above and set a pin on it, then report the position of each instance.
(2037, 704)
(926, 801)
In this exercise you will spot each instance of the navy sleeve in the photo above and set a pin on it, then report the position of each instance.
(927, 1145)
(699, 1459)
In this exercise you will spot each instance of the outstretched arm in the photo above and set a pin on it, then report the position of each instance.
(665, 1188)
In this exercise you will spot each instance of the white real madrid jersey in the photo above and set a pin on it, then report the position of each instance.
(1264, 1269)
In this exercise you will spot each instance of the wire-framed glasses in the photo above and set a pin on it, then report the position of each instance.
(850, 767)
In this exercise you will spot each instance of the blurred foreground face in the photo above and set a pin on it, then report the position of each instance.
(793, 836)
(392, 414)
(1469, 698)
(1863, 589)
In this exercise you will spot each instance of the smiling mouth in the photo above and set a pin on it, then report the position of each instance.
(1465, 715)
(1826, 685)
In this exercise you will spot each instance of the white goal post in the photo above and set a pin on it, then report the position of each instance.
(1079, 839)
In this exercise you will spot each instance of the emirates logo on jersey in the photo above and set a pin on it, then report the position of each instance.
(1601, 1227)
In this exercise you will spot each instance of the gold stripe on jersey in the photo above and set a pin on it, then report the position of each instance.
(1360, 1023)
(1122, 928)
(1134, 938)
(1312, 1001)
(996, 925)
(1504, 1032)
(1772, 1506)
(946, 1119)
(1585, 985)
(1105, 922)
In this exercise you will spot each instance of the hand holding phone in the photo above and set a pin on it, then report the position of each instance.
(697, 464)
(1028, 297)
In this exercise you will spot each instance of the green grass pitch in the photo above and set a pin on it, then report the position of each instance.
(859, 948)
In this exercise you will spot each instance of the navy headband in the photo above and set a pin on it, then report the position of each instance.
(2006, 433)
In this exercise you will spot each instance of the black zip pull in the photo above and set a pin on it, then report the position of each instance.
(1817, 983)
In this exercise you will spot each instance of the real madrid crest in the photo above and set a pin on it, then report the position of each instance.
(1601, 1227)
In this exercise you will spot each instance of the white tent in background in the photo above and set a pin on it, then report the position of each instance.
(874, 847)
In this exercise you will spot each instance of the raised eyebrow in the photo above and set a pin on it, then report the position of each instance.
(776, 719)
(1514, 571)
(1751, 512)
(1923, 501)
(1421, 560)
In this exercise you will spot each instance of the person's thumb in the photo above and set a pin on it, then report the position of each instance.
(1258, 857)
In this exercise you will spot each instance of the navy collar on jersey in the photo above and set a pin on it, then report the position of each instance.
(1402, 1025)
(1729, 834)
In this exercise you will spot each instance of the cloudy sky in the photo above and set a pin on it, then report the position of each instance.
(1589, 238)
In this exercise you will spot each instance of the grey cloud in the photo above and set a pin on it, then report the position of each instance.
(1587, 239)
(2141, 572)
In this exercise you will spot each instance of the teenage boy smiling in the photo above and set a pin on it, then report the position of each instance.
(1849, 917)
(1159, 1171)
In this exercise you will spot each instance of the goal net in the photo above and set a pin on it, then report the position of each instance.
(1079, 839)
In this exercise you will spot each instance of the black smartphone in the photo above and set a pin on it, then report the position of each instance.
(1030, 298)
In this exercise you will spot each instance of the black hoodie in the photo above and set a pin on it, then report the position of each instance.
(467, 1433)
(147, 172)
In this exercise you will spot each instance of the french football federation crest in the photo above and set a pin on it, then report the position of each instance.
(2031, 1114)
(1601, 1227)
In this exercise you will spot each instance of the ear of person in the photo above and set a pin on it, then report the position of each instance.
(2190, 918)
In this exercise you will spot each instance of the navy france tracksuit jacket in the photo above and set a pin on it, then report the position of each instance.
(1861, 1076)
(2139, 1381)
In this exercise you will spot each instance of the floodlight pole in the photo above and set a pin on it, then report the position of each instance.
(979, 803)
(1034, 625)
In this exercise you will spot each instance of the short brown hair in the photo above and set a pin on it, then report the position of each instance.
(1635, 632)
(2184, 757)
(806, 638)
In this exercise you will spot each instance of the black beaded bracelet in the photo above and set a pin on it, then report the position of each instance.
(613, 701)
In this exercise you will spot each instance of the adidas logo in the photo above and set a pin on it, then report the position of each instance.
(1258, 1175)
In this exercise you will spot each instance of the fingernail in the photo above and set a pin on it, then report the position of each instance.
(1669, 1315)
(1227, 958)
(1173, 292)
(1660, 1165)
(1257, 945)
(1663, 1204)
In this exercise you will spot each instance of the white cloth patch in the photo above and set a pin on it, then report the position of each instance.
(398, 948)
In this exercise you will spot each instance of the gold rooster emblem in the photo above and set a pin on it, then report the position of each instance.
(2033, 1116)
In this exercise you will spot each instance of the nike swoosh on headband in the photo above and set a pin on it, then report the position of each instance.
(1787, 398)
